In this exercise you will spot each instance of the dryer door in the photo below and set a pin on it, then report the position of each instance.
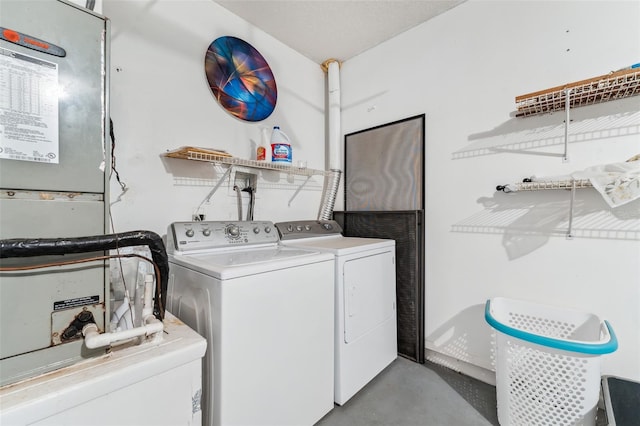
(369, 293)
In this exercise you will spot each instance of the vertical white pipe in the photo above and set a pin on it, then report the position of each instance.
(334, 147)
(333, 83)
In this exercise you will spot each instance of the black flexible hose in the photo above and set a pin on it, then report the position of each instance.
(30, 247)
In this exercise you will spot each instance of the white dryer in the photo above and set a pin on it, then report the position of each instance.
(365, 300)
(267, 313)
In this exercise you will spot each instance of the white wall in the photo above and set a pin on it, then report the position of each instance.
(97, 7)
(160, 100)
(464, 69)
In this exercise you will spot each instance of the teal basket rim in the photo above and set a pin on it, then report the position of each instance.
(565, 345)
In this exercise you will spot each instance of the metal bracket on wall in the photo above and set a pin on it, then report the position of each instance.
(573, 197)
(226, 174)
(295, 194)
(567, 108)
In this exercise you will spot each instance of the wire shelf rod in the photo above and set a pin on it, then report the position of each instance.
(234, 161)
(545, 185)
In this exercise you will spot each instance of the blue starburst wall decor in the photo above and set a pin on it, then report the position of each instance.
(240, 79)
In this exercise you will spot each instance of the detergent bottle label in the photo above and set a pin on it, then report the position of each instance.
(281, 152)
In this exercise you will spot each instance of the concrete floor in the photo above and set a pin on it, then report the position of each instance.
(411, 394)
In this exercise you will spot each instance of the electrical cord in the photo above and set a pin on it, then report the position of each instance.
(123, 185)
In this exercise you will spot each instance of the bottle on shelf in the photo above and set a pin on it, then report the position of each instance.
(263, 153)
(280, 146)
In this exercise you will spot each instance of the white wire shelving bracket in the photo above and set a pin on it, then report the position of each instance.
(206, 199)
(616, 85)
(531, 185)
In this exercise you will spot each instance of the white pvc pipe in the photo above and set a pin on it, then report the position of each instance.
(332, 180)
(147, 306)
(122, 316)
(94, 339)
(333, 83)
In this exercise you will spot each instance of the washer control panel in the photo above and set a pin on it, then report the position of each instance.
(189, 236)
(307, 229)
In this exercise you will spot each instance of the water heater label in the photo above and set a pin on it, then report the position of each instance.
(74, 303)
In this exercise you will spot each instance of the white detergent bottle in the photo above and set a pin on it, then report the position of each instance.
(263, 153)
(280, 146)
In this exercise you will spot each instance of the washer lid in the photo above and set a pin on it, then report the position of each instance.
(340, 245)
(238, 263)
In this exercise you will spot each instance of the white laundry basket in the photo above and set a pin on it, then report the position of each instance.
(547, 362)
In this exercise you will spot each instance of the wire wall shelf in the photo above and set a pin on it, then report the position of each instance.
(220, 157)
(531, 185)
(234, 164)
(609, 87)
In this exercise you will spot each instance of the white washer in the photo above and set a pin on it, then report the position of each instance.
(267, 313)
(365, 300)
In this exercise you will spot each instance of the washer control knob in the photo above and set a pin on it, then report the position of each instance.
(206, 232)
(233, 231)
(299, 228)
(290, 228)
(267, 229)
(307, 227)
(327, 226)
(190, 233)
(256, 230)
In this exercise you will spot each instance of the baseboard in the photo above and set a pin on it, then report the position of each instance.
(471, 370)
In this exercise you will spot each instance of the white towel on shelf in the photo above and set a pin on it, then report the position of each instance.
(618, 183)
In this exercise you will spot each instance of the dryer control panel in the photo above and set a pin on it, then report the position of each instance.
(190, 236)
(307, 229)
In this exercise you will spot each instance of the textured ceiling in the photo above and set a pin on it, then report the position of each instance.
(341, 29)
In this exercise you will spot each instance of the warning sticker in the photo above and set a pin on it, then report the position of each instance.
(74, 303)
